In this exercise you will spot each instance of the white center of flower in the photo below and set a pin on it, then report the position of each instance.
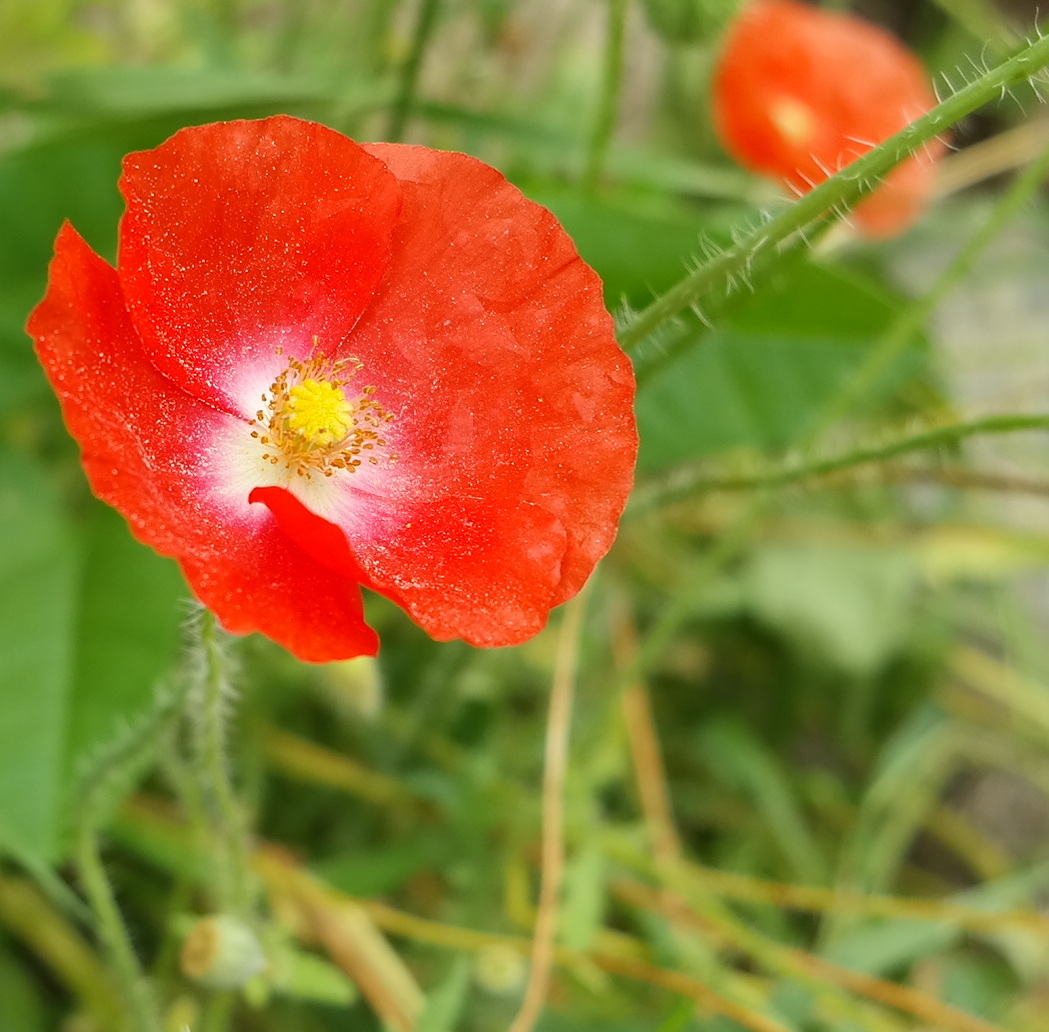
(312, 423)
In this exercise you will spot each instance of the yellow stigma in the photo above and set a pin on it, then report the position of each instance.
(311, 423)
(319, 413)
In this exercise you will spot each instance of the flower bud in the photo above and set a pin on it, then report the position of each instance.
(354, 687)
(222, 952)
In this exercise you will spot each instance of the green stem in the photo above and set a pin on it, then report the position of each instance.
(780, 477)
(409, 76)
(138, 998)
(218, 1010)
(650, 362)
(842, 189)
(611, 80)
(228, 817)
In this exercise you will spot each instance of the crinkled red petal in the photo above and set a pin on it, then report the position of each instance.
(240, 237)
(457, 566)
(148, 450)
(318, 538)
(489, 342)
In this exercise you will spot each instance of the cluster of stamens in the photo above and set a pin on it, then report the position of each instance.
(312, 425)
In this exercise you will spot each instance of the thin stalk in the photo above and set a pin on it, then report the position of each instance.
(650, 362)
(29, 915)
(558, 727)
(939, 437)
(409, 74)
(131, 981)
(611, 81)
(842, 189)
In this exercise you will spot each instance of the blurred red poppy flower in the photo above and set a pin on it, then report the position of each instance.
(799, 93)
(319, 365)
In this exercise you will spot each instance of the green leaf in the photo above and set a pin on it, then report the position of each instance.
(381, 869)
(35, 198)
(736, 757)
(762, 379)
(585, 892)
(882, 946)
(21, 1006)
(638, 249)
(127, 632)
(152, 90)
(88, 625)
(38, 572)
(446, 1002)
(845, 605)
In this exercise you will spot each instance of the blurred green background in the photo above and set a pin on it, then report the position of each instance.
(845, 676)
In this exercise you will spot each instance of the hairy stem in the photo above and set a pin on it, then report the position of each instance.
(684, 483)
(228, 823)
(842, 189)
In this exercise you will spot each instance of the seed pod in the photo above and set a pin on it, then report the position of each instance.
(221, 952)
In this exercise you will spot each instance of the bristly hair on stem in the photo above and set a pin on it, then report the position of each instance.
(211, 705)
(844, 188)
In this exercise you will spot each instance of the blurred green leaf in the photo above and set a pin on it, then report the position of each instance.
(976, 985)
(127, 630)
(763, 377)
(381, 869)
(153, 90)
(638, 247)
(882, 947)
(848, 606)
(585, 891)
(38, 593)
(21, 1006)
(71, 176)
(446, 1002)
(905, 784)
(85, 633)
(736, 757)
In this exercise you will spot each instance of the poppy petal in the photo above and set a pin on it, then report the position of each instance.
(148, 449)
(244, 237)
(494, 604)
(489, 343)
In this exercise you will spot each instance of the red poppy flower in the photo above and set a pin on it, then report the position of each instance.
(319, 365)
(799, 93)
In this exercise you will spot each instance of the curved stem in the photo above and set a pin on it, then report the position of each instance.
(844, 188)
(938, 437)
(553, 847)
(138, 998)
